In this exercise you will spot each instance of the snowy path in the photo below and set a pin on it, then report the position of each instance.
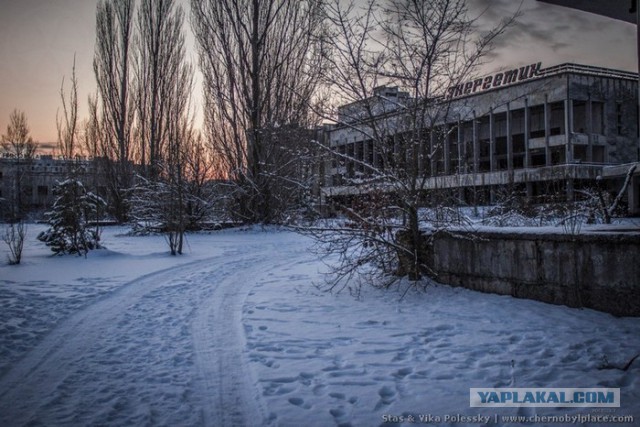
(137, 355)
(231, 398)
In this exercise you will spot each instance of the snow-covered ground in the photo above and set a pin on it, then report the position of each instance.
(235, 333)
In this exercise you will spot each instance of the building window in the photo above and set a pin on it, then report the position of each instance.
(517, 122)
(483, 128)
(580, 116)
(597, 118)
(557, 118)
(43, 190)
(500, 124)
(558, 155)
(538, 157)
(536, 121)
(598, 154)
(579, 153)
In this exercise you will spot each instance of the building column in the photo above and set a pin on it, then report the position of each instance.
(432, 152)
(351, 149)
(396, 150)
(418, 151)
(447, 152)
(568, 125)
(476, 156)
(492, 153)
(365, 158)
(509, 139)
(375, 157)
(589, 119)
(492, 141)
(547, 131)
(568, 129)
(461, 148)
(527, 155)
(476, 144)
(570, 190)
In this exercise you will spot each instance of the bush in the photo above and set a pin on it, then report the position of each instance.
(14, 235)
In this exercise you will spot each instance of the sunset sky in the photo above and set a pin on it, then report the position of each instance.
(38, 40)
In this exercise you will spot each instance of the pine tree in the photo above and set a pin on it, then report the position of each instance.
(73, 208)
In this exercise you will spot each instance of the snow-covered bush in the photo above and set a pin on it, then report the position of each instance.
(72, 210)
(160, 206)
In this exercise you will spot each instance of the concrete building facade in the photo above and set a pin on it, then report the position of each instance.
(562, 126)
(30, 182)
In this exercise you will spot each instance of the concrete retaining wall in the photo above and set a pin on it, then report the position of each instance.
(599, 271)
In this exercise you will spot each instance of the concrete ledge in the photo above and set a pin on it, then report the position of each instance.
(598, 271)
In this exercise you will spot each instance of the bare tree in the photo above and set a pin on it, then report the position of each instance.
(260, 61)
(17, 143)
(112, 68)
(201, 174)
(91, 131)
(180, 129)
(420, 49)
(67, 124)
(600, 203)
(14, 235)
(159, 51)
(19, 148)
(165, 120)
(91, 139)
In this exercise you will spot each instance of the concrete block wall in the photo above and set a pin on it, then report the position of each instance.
(596, 270)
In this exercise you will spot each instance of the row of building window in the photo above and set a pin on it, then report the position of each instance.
(456, 153)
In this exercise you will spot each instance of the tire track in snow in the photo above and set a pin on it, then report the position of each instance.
(45, 370)
(231, 395)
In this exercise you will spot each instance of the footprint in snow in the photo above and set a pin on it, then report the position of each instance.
(387, 396)
(319, 389)
(401, 373)
(298, 401)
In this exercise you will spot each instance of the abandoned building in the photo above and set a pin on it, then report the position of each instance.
(555, 129)
(30, 182)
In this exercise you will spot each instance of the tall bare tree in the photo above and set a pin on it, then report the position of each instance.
(260, 61)
(67, 123)
(421, 48)
(91, 132)
(180, 131)
(112, 68)
(159, 53)
(165, 123)
(20, 148)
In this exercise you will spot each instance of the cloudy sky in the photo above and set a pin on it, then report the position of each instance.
(38, 40)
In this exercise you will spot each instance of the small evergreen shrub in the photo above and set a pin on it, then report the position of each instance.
(69, 231)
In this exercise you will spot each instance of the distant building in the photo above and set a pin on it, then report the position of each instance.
(35, 180)
(533, 129)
